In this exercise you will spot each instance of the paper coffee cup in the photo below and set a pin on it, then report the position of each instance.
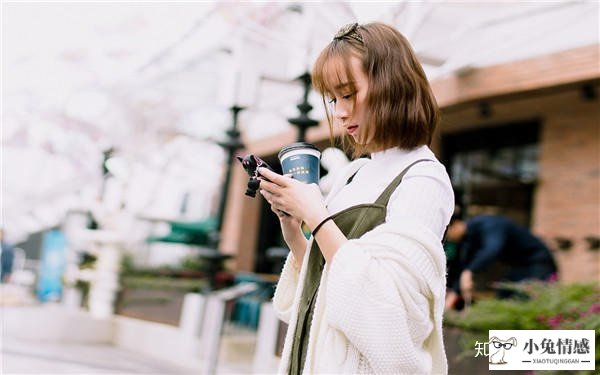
(301, 160)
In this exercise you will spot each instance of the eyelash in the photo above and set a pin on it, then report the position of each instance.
(334, 100)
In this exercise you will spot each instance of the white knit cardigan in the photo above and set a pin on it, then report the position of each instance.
(379, 305)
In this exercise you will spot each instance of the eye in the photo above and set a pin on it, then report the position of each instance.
(348, 96)
(331, 100)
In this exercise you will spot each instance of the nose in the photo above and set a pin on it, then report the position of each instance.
(342, 110)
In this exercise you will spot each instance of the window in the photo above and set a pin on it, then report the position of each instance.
(494, 169)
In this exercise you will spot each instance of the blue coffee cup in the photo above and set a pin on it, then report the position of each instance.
(302, 161)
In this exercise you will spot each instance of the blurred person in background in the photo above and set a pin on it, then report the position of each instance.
(365, 293)
(7, 257)
(485, 240)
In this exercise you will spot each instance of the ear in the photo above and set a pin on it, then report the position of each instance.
(513, 341)
(494, 338)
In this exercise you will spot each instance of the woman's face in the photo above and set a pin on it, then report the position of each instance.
(349, 101)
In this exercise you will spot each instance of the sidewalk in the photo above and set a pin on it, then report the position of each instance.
(20, 356)
(24, 351)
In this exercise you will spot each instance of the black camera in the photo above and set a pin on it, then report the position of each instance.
(251, 163)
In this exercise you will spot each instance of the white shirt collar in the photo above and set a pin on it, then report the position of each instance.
(392, 152)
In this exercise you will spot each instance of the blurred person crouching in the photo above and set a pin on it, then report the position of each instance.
(486, 240)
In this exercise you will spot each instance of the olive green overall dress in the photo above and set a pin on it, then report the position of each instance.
(353, 221)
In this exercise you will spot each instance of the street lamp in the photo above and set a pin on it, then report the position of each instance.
(231, 144)
(303, 122)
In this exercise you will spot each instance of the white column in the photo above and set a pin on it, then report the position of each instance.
(104, 278)
(192, 313)
(212, 325)
(71, 298)
(266, 340)
(211, 333)
(105, 283)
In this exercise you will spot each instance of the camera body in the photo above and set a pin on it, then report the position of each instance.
(251, 163)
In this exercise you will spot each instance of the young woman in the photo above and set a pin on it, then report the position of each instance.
(365, 294)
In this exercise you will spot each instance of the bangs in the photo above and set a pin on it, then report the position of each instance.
(332, 73)
(332, 70)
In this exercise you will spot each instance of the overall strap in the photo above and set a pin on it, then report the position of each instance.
(389, 190)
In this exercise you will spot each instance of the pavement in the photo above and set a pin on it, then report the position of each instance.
(20, 356)
(23, 355)
(29, 345)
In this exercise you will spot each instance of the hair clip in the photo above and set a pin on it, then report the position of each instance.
(349, 31)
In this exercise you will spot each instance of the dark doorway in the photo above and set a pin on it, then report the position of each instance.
(494, 169)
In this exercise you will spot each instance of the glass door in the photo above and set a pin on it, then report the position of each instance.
(494, 169)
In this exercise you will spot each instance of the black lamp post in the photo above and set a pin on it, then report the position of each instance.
(231, 145)
(212, 256)
(303, 122)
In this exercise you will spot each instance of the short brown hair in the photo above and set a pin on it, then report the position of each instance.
(401, 108)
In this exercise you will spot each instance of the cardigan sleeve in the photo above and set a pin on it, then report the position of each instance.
(285, 291)
(382, 298)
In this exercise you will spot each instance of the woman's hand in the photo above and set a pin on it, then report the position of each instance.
(291, 230)
(302, 201)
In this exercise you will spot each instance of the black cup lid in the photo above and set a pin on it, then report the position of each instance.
(296, 146)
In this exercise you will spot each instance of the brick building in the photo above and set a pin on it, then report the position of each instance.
(520, 139)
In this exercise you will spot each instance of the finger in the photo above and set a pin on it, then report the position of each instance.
(268, 197)
(274, 177)
(269, 187)
(276, 204)
(275, 211)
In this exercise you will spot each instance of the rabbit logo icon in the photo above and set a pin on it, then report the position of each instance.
(498, 349)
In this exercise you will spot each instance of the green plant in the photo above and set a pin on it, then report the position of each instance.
(84, 287)
(165, 278)
(189, 263)
(163, 283)
(192, 263)
(539, 306)
(87, 261)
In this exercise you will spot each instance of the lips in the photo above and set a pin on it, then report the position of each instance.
(351, 129)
